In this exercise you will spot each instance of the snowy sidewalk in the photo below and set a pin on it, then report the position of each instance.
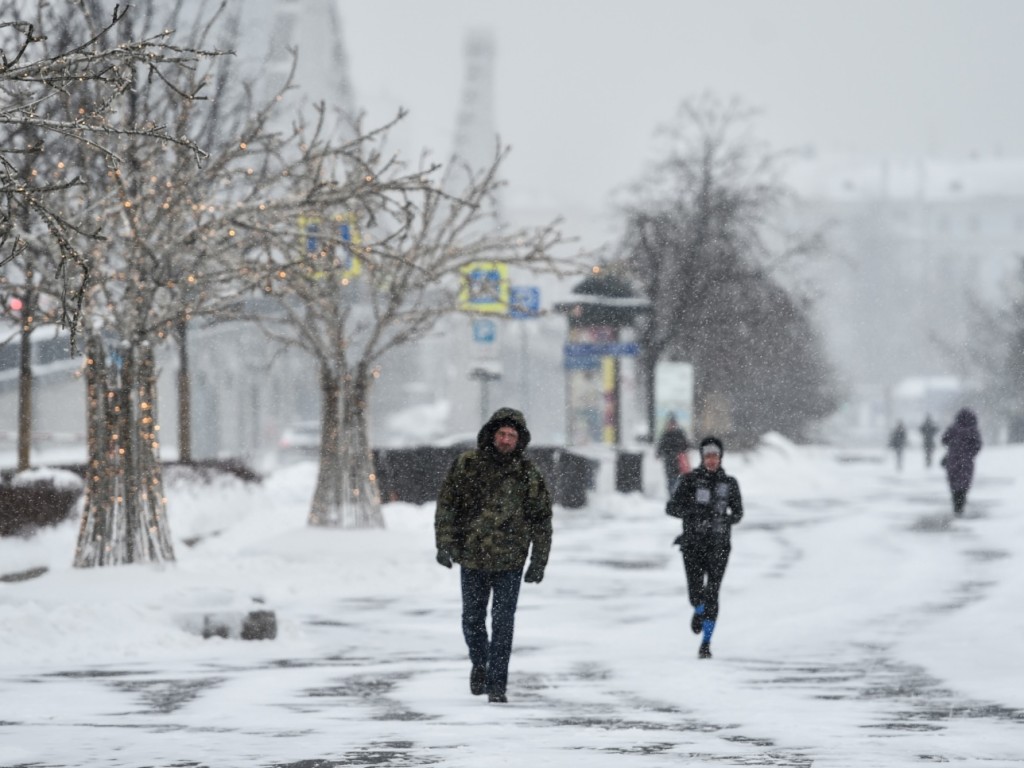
(861, 626)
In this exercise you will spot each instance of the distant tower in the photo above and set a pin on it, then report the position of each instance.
(475, 134)
(472, 347)
(313, 28)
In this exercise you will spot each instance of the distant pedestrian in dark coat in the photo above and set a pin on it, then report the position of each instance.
(709, 502)
(493, 510)
(963, 442)
(671, 449)
(928, 431)
(898, 441)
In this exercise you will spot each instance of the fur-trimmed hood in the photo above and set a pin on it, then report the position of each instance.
(501, 418)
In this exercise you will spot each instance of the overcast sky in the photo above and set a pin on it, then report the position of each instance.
(581, 85)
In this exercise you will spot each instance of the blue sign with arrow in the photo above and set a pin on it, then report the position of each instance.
(523, 302)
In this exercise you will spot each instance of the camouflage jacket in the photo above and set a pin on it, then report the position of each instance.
(492, 509)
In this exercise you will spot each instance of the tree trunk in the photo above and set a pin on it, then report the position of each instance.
(125, 515)
(184, 393)
(346, 493)
(25, 384)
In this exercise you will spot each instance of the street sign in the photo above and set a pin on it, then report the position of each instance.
(484, 287)
(603, 349)
(587, 357)
(484, 331)
(523, 302)
(346, 232)
(310, 226)
(582, 363)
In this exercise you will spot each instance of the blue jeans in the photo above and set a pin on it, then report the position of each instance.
(492, 653)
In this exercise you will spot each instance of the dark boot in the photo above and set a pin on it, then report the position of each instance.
(478, 680)
(705, 651)
(497, 697)
(697, 622)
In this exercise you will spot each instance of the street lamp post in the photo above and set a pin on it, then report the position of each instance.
(485, 376)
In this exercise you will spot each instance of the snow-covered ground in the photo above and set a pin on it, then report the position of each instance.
(861, 626)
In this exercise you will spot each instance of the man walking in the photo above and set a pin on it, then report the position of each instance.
(709, 503)
(493, 509)
(928, 431)
(898, 441)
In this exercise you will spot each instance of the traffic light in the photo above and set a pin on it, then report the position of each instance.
(15, 304)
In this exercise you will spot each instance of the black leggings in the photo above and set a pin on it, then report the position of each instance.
(959, 500)
(704, 559)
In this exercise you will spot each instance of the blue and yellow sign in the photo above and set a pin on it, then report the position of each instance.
(484, 287)
(345, 232)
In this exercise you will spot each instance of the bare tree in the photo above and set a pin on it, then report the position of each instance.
(195, 242)
(353, 301)
(703, 240)
(25, 300)
(50, 53)
(771, 363)
(1007, 395)
(993, 372)
(180, 233)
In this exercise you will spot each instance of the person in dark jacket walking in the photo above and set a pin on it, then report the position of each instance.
(928, 431)
(671, 449)
(898, 441)
(709, 503)
(492, 510)
(963, 442)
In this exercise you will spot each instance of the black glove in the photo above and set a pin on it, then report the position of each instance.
(534, 574)
(678, 541)
(444, 557)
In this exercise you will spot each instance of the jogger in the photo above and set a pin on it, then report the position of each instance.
(709, 503)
